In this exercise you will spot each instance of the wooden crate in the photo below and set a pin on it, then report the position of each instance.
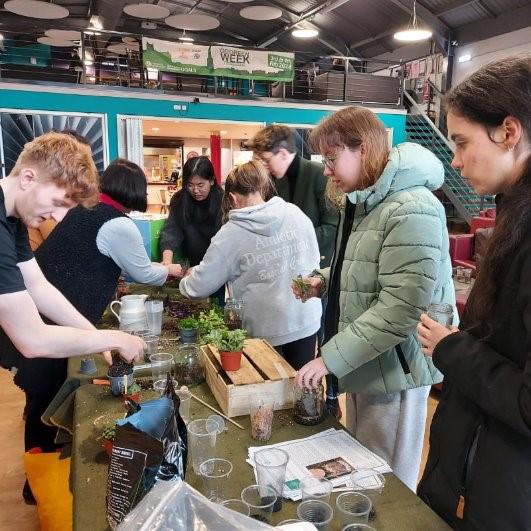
(263, 371)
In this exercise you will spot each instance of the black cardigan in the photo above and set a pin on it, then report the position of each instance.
(480, 440)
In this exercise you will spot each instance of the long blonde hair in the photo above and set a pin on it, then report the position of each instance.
(351, 127)
(246, 179)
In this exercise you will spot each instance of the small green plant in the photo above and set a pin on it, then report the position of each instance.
(189, 323)
(227, 340)
(109, 432)
(211, 320)
(133, 388)
(302, 286)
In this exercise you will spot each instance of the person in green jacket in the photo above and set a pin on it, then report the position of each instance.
(298, 181)
(391, 262)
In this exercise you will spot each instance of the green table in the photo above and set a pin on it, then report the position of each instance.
(399, 510)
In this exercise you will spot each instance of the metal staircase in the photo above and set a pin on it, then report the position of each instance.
(420, 129)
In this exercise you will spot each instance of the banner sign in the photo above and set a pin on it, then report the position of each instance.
(217, 60)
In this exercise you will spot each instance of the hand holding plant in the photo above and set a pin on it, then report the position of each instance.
(305, 288)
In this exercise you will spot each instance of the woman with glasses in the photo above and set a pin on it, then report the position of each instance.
(391, 261)
(265, 243)
(195, 213)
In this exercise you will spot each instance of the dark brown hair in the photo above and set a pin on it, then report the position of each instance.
(273, 138)
(247, 179)
(496, 91)
(125, 182)
(350, 127)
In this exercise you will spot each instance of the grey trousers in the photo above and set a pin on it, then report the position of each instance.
(391, 426)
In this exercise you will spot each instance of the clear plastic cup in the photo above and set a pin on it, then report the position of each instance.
(260, 501)
(220, 422)
(371, 483)
(353, 508)
(161, 365)
(215, 473)
(318, 512)
(313, 488)
(261, 412)
(358, 527)
(442, 313)
(202, 441)
(154, 316)
(467, 273)
(152, 343)
(185, 398)
(271, 466)
(236, 505)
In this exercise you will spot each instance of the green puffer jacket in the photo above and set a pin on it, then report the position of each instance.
(396, 263)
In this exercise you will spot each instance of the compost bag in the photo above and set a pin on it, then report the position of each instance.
(150, 445)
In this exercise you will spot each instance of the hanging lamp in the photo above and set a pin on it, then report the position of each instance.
(413, 33)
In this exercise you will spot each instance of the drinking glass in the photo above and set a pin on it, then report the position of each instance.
(314, 488)
(318, 512)
(262, 412)
(260, 501)
(202, 441)
(215, 474)
(353, 508)
(271, 466)
(154, 316)
(161, 365)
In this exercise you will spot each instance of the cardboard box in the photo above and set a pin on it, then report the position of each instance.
(263, 371)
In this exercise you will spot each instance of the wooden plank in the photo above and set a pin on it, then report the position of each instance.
(268, 360)
(247, 373)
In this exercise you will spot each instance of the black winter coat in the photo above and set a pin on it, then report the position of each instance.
(479, 463)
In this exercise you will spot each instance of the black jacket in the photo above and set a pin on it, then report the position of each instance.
(480, 440)
(192, 233)
(304, 185)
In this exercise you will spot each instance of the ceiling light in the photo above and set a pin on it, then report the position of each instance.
(155, 129)
(184, 38)
(305, 33)
(1, 37)
(223, 132)
(464, 58)
(413, 33)
(95, 22)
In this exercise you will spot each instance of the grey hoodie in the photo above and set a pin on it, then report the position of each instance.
(258, 252)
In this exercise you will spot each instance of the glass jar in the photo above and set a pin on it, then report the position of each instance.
(442, 313)
(233, 313)
(309, 405)
(189, 366)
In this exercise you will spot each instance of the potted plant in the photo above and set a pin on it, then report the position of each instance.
(108, 438)
(133, 393)
(188, 329)
(120, 375)
(211, 320)
(230, 346)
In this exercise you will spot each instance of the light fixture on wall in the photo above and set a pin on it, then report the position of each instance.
(413, 33)
(302, 33)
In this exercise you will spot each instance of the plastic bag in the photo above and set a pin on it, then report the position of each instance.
(149, 446)
(176, 506)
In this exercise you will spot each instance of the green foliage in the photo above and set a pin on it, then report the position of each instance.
(227, 340)
(189, 323)
(301, 285)
(109, 432)
(133, 388)
(211, 320)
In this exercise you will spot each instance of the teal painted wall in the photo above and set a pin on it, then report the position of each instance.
(114, 106)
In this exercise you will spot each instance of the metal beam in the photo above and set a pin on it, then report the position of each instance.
(454, 6)
(325, 7)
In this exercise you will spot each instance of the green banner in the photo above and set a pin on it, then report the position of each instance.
(224, 61)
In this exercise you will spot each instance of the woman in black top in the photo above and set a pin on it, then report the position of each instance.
(478, 474)
(195, 213)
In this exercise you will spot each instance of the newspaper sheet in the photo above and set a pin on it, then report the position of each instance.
(332, 454)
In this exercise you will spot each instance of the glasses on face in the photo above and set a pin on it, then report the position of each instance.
(330, 160)
(200, 187)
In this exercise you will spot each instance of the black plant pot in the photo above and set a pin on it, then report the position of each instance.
(188, 335)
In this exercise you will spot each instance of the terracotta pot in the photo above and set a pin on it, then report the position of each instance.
(107, 446)
(231, 361)
(135, 397)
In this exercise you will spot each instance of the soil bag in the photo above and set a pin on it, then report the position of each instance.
(150, 445)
